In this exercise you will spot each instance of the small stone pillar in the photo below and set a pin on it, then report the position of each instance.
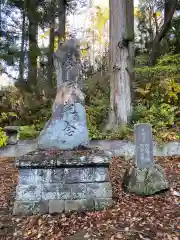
(144, 177)
(12, 132)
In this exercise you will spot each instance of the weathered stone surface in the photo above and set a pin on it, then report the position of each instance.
(12, 132)
(64, 191)
(63, 158)
(30, 207)
(67, 128)
(144, 145)
(49, 191)
(100, 174)
(171, 149)
(56, 206)
(30, 176)
(92, 190)
(145, 181)
(28, 192)
(66, 132)
(83, 175)
(52, 175)
(79, 205)
(102, 203)
(67, 63)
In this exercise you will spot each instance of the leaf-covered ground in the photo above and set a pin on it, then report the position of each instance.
(131, 217)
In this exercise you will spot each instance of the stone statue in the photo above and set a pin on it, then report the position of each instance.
(67, 128)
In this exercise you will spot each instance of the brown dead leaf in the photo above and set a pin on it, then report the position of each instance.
(155, 217)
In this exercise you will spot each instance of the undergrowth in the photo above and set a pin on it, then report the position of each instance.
(157, 94)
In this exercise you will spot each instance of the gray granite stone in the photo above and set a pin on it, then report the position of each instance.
(61, 159)
(79, 205)
(64, 191)
(79, 191)
(77, 175)
(144, 145)
(28, 192)
(98, 159)
(145, 181)
(100, 174)
(103, 203)
(56, 206)
(83, 175)
(92, 190)
(52, 175)
(171, 149)
(12, 132)
(100, 190)
(67, 128)
(30, 176)
(49, 191)
(30, 207)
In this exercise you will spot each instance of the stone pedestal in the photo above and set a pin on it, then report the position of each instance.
(145, 181)
(12, 132)
(57, 181)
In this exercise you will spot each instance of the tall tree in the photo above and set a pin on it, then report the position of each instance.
(51, 45)
(61, 19)
(169, 9)
(33, 52)
(22, 52)
(121, 61)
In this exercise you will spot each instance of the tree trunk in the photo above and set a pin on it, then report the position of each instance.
(33, 44)
(51, 49)
(22, 54)
(150, 30)
(169, 9)
(61, 19)
(121, 61)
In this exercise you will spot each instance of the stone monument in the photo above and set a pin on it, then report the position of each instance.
(64, 173)
(146, 177)
(67, 127)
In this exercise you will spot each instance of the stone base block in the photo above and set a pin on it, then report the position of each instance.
(145, 181)
(59, 206)
(61, 183)
(30, 207)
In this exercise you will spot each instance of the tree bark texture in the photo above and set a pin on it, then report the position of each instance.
(51, 47)
(33, 52)
(61, 19)
(121, 61)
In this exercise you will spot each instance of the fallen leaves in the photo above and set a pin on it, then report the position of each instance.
(131, 218)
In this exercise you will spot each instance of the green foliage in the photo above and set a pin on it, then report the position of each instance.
(141, 60)
(159, 116)
(169, 59)
(157, 91)
(124, 132)
(3, 138)
(97, 103)
(28, 132)
(157, 96)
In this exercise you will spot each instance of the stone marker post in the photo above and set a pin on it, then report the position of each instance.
(144, 145)
(145, 177)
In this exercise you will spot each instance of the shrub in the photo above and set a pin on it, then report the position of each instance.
(28, 132)
(3, 138)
